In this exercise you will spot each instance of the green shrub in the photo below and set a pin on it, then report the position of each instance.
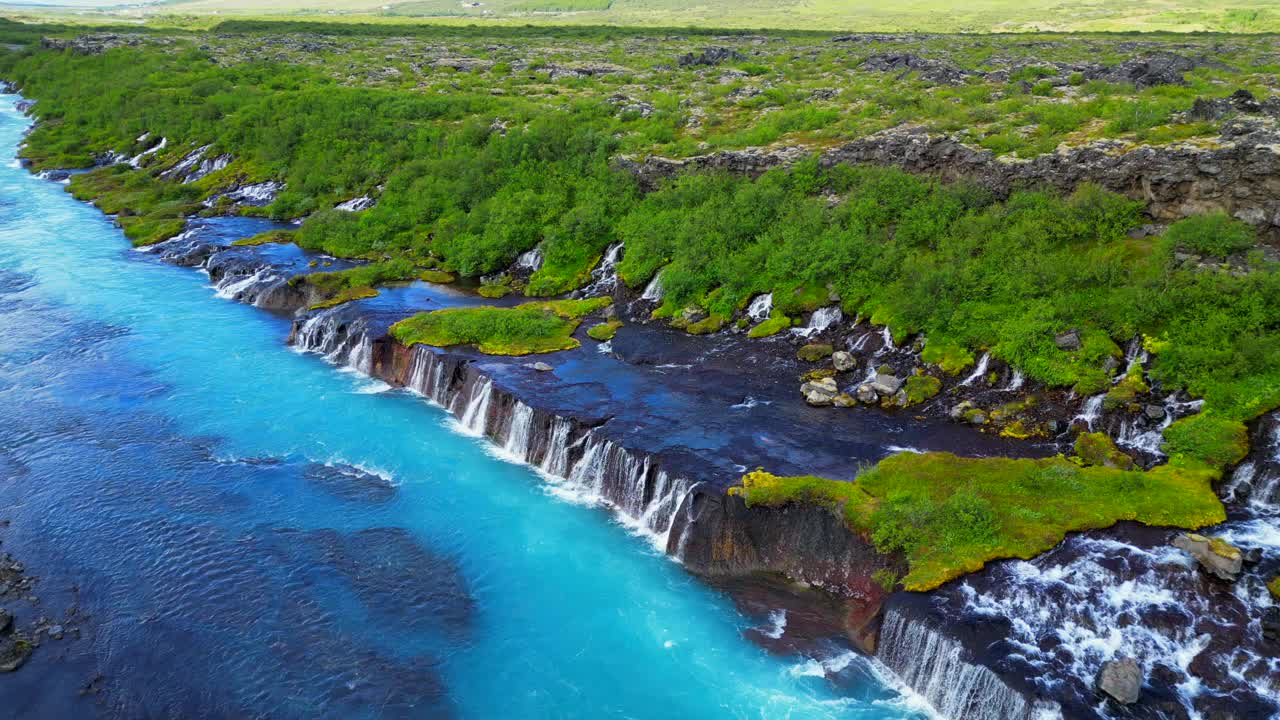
(1215, 234)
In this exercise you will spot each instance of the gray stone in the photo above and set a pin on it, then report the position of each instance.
(844, 361)
(6, 621)
(14, 651)
(820, 392)
(886, 384)
(959, 409)
(1121, 680)
(1218, 557)
(1155, 412)
(867, 394)
(693, 314)
(844, 400)
(541, 367)
(1069, 340)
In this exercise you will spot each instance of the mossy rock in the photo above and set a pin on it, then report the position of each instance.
(1124, 393)
(706, 326)
(814, 352)
(1020, 430)
(437, 276)
(1097, 449)
(818, 374)
(774, 325)
(951, 358)
(604, 331)
(1215, 441)
(1274, 587)
(493, 292)
(920, 388)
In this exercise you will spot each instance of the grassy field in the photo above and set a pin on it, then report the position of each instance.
(1237, 16)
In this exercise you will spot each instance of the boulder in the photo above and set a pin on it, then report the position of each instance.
(867, 394)
(844, 400)
(1155, 412)
(886, 384)
(541, 367)
(959, 409)
(820, 392)
(693, 314)
(710, 56)
(813, 352)
(14, 651)
(1069, 340)
(1215, 555)
(1121, 680)
(844, 361)
(1271, 623)
(6, 621)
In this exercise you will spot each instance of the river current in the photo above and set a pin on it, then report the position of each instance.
(236, 530)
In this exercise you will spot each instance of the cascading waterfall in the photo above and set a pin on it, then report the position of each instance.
(530, 260)
(1135, 356)
(653, 291)
(821, 319)
(342, 340)
(1091, 411)
(136, 160)
(605, 277)
(936, 666)
(580, 463)
(1016, 381)
(979, 371)
(760, 308)
(886, 342)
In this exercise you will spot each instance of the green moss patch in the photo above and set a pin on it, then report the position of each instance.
(772, 326)
(921, 388)
(1098, 449)
(1207, 438)
(814, 352)
(1274, 587)
(526, 329)
(949, 515)
(437, 276)
(494, 292)
(267, 238)
(604, 331)
(951, 358)
(1125, 392)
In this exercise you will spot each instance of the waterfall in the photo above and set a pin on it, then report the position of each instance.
(605, 277)
(1135, 356)
(821, 319)
(518, 433)
(979, 371)
(136, 160)
(342, 340)
(653, 291)
(579, 463)
(936, 666)
(356, 204)
(886, 342)
(861, 343)
(1091, 411)
(530, 260)
(1016, 381)
(231, 287)
(760, 307)
(476, 415)
(186, 163)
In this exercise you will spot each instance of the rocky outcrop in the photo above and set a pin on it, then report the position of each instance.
(96, 43)
(934, 71)
(1217, 557)
(710, 56)
(718, 534)
(1239, 174)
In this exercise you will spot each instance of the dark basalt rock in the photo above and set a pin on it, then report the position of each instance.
(710, 56)
(1271, 624)
(717, 534)
(934, 71)
(14, 651)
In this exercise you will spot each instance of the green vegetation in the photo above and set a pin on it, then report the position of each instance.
(906, 15)
(1274, 587)
(1098, 449)
(772, 326)
(1125, 391)
(538, 327)
(950, 357)
(920, 388)
(268, 237)
(604, 331)
(334, 288)
(949, 515)
(1215, 234)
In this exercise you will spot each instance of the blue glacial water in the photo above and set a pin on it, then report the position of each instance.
(237, 530)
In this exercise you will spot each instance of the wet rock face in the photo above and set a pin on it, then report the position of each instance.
(1216, 556)
(1121, 680)
(1271, 624)
(719, 535)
